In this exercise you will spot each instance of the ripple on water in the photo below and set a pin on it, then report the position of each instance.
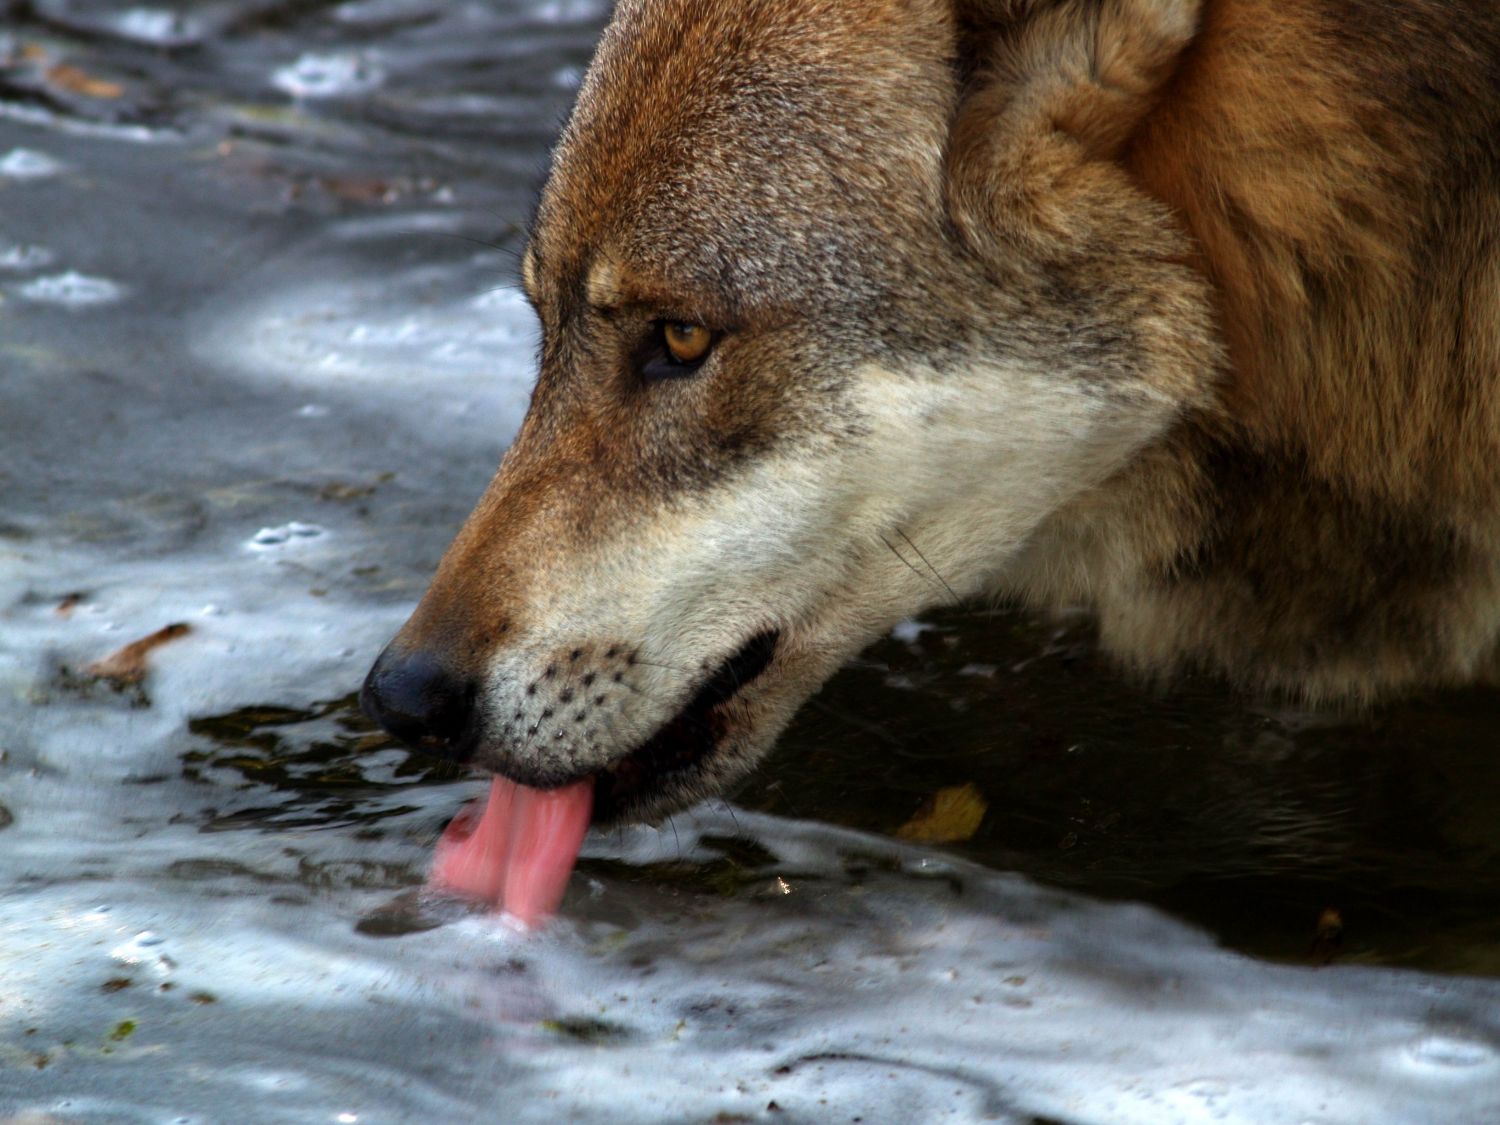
(387, 13)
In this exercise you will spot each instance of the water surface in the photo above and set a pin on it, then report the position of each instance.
(261, 350)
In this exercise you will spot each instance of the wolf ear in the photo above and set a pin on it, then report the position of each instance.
(1053, 92)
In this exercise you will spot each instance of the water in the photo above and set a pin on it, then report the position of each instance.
(262, 351)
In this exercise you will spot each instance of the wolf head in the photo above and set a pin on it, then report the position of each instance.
(841, 302)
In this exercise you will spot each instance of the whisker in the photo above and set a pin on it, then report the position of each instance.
(930, 567)
(738, 831)
(911, 566)
(668, 667)
(499, 247)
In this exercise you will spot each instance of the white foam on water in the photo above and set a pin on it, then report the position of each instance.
(340, 75)
(72, 290)
(44, 117)
(853, 975)
(23, 258)
(28, 164)
(284, 534)
(568, 11)
(158, 27)
(910, 631)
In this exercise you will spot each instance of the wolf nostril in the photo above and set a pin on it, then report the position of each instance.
(420, 702)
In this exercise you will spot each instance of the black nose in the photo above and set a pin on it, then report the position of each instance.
(420, 702)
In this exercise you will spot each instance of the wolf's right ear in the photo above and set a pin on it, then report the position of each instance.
(1052, 93)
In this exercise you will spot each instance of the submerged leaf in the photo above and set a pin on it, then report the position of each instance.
(950, 817)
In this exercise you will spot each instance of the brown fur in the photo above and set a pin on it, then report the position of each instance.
(1332, 526)
(1252, 243)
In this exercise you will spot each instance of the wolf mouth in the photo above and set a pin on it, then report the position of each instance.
(686, 740)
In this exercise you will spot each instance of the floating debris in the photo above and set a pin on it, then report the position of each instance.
(77, 81)
(127, 666)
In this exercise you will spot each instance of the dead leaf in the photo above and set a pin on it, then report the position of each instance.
(128, 665)
(77, 81)
(952, 816)
(1328, 937)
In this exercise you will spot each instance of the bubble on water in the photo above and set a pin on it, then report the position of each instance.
(1451, 1052)
(72, 289)
(268, 537)
(28, 164)
(312, 410)
(340, 75)
(20, 258)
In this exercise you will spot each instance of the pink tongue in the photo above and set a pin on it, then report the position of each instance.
(519, 852)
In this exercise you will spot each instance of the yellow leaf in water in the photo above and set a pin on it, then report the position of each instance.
(81, 82)
(950, 817)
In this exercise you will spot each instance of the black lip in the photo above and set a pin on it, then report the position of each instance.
(687, 738)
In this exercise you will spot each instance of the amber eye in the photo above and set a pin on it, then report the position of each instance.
(687, 343)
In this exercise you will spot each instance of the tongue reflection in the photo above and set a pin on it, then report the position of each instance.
(518, 853)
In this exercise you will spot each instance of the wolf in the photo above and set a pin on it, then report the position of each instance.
(1184, 310)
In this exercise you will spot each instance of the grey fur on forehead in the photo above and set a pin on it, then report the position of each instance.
(807, 163)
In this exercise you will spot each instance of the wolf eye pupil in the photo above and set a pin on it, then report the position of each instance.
(688, 343)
